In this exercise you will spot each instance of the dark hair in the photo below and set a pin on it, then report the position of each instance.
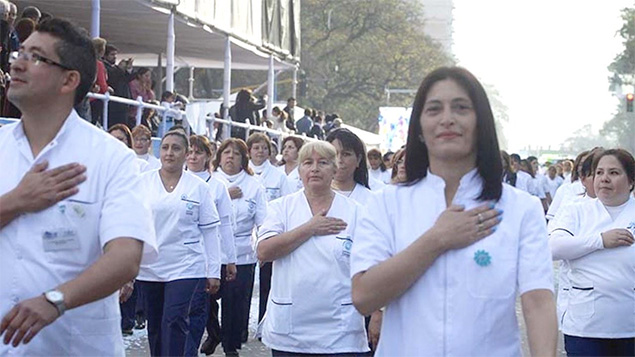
(575, 172)
(350, 141)
(75, 50)
(400, 154)
(624, 157)
(296, 140)
(377, 154)
(141, 71)
(126, 131)
(290, 99)
(177, 127)
(110, 48)
(258, 138)
(239, 145)
(514, 157)
(31, 12)
(24, 28)
(308, 112)
(165, 95)
(180, 135)
(243, 96)
(202, 143)
(532, 158)
(586, 165)
(488, 161)
(526, 166)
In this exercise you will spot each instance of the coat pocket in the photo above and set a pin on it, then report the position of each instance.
(349, 319)
(279, 314)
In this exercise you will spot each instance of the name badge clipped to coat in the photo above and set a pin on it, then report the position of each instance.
(60, 239)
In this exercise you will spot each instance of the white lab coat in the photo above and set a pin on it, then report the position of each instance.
(383, 176)
(360, 194)
(250, 211)
(153, 162)
(602, 296)
(110, 204)
(274, 181)
(226, 214)
(310, 306)
(458, 307)
(294, 178)
(562, 195)
(186, 223)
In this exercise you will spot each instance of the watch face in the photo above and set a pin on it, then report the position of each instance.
(55, 296)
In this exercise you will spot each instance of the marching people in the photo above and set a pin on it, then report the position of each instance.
(457, 263)
(175, 287)
(73, 225)
(399, 167)
(378, 169)
(199, 163)
(308, 236)
(250, 207)
(142, 139)
(291, 145)
(351, 177)
(596, 237)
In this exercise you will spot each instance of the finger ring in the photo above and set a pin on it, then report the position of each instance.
(480, 218)
(480, 227)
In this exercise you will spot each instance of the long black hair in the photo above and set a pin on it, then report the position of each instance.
(350, 141)
(488, 160)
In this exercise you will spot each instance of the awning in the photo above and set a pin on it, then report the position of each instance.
(138, 28)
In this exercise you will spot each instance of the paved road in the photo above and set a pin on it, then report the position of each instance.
(137, 344)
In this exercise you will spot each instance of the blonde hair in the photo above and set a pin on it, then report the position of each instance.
(100, 45)
(322, 148)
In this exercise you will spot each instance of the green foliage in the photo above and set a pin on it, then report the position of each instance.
(624, 63)
(353, 49)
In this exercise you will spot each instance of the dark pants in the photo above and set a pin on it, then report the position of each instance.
(128, 310)
(265, 286)
(213, 325)
(140, 313)
(276, 353)
(586, 346)
(236, 302)
(177, 313)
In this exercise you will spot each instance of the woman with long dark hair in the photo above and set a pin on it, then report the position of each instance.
(439, 253)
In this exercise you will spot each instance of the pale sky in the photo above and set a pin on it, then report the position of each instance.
(547, 58)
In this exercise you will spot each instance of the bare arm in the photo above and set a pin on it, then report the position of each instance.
(118, 265)
(539, 310)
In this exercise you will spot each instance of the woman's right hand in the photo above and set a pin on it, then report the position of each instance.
(320, 225)
(618, 237)
(459, 228)
(235, 192)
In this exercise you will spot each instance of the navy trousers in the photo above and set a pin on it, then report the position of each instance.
(128, 310)
(235, 306)
(177, 314)
(587, 346)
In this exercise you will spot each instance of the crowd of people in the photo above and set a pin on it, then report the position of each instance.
(418, 252)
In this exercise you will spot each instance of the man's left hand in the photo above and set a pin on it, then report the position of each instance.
(26, 319)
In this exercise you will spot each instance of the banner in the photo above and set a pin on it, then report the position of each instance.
(393, 127)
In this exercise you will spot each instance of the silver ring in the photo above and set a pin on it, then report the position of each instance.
(480, 218)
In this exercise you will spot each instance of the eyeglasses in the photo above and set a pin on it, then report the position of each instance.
(35, 58)
(142, 139)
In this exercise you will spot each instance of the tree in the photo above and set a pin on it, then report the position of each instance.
(352, 50)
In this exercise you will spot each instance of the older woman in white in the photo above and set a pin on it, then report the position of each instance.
(439, 253)
(308, 236)
(250, 208)
(185, 220)
(596, 236)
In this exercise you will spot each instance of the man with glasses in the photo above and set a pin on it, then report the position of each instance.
(70, 237)
(142, 141)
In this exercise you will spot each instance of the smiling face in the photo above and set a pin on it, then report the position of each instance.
(448, 123)
(259, 152)
(347, 162)
(173, 153)
(141, 144)
(611, 182)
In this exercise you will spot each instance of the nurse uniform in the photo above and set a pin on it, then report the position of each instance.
(310, 307)
(464, 304)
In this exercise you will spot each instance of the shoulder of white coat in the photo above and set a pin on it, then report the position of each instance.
(518, 199)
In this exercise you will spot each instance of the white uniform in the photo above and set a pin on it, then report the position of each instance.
(360, 194)
(564, 285)
(39, 251)
(153, 162)
(294, 178)
(310, 306)
(250, 211)
(225, 212)
(602, 296)
(553, 185)
(186, 223)
(276, 183)
(383, 176)
(464, 304)
(562, 194)
(375, 185)
(523, 181)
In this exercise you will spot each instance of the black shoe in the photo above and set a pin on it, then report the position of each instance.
(209, 347)
(140, 324)
(126, 332)
(232, 354)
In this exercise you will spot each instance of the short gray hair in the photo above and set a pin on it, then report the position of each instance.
(322, 148)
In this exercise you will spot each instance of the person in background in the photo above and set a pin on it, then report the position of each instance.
(245, 108)
(119, 75)
(304, 124)
(316, 130)
(289, 164)
(290, 110)
(378, 170)
(101, 81)
(33, 13)
(140, 86)
(142, 139)
(231, 165)
(273, 157)
(399, 167)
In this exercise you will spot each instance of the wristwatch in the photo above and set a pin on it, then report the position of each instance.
(56, 298)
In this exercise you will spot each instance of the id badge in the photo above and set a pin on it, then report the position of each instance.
(60, 239)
